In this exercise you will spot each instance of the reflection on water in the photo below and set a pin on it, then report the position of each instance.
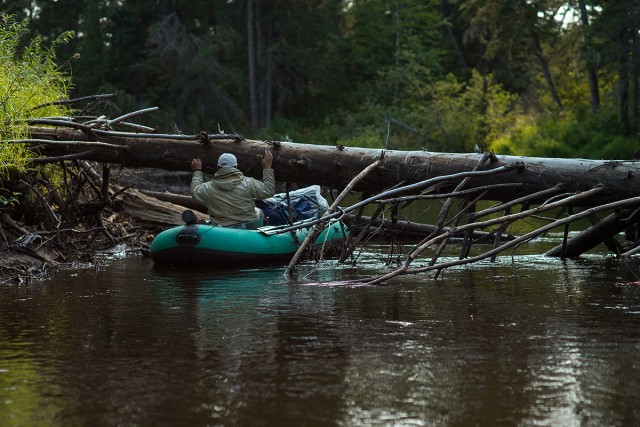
(531, 342)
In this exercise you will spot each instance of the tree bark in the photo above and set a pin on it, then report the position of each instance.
(187, 202)
(546, 72)
(635, 84)
(251, 55)
(404, 229)
(592, 237)
(591, 69)
(624, 50)
(334, 167)
(623, 93)
(151, 212)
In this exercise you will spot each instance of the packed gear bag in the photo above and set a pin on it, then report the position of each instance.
(306, 203)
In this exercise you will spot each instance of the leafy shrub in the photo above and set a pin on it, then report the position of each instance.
(460, 115)
(568, 135)
(29, 78)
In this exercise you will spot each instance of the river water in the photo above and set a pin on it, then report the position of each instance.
(525, 341)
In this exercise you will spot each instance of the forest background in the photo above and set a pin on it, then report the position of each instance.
(527, 77)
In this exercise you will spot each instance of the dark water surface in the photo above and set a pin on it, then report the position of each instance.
(539, 342)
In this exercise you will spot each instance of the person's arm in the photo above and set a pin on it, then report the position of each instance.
(266, 188)
(197, 180)
(267, 159)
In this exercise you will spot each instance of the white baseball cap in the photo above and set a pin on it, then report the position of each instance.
(227, 159)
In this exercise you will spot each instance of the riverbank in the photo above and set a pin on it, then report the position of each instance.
(73, 223)
(28, 254)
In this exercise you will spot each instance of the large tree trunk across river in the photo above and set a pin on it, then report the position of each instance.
(335, 166)
(390, 177)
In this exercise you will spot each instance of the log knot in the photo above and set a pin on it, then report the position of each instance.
(299, 162)
(276, 145)
(167, 157)
(203, 138)
(382, 170)
(91, 136)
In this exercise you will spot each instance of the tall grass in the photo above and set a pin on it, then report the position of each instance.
(29, 77)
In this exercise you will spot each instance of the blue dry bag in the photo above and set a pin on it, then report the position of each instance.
(306, 203)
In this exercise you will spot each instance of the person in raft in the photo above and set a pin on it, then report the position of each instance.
(230, 196)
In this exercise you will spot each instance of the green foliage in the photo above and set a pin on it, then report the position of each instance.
(367, 137)
(393, 50)
(528, 138)
(29, 78)
(8, 198)
(187, 68)
(468, 114)
(283, 129)
(569, 136)
(444, 75)
(449, 115)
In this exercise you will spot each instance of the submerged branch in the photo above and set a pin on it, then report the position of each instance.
(318, 227)
(336, 214)
(515, 242)
(526, 199)
(484, 224)
(451, 194)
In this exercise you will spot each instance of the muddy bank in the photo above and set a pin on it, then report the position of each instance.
(29, 254)
(74, 224)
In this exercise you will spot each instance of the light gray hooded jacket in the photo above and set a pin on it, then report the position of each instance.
(230, 196)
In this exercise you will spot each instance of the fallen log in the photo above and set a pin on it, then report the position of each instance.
(397, 178)
(404, 229)
(177, 199)
(593, 236)
(334, 167)
(404, 269)
(151, 212)
(401, 229)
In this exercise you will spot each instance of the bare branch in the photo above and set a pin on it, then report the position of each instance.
(318, 227)
(76, 100)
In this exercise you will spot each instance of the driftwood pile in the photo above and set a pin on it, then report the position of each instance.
(88, 203)
(64, 217)
(68, 210)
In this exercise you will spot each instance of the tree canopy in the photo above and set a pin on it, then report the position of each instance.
(530, 77)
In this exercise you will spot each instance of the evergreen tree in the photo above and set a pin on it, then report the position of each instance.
(616, 25)
(512, 36)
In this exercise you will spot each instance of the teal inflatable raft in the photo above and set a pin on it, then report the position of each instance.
(206, 245)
